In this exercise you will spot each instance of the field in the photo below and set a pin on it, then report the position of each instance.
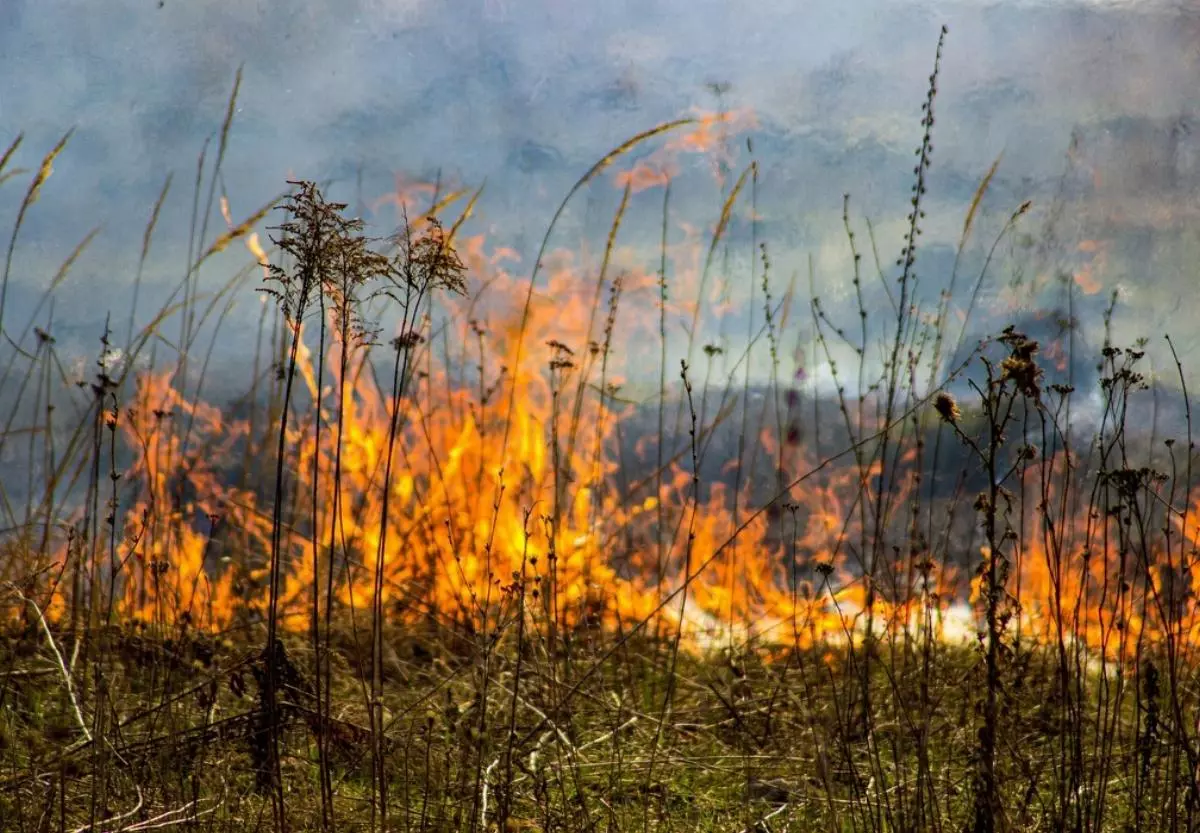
(439, 567)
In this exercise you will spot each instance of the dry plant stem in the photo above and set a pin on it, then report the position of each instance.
(504, 808)
(118, 817)
(422, 265)
(190, 272)
(605, 351)
(399, 378)
(191, 279)
(272, 717)
(718, 236)
(893, 379)
(31, 196)
(58, 658)
(588, 342)
(147, 238)
(187, 814)
(662, 542)
(673, 657)
(309, 237)
(750, 339)
(342, 311)
(318, 650)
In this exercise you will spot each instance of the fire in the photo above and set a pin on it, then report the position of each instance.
(486, 515)
(644, 176)
(1086, 277)
(511, 496)
(713, 130)
(539, 519)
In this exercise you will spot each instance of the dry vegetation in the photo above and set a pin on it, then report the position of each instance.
(427, 581)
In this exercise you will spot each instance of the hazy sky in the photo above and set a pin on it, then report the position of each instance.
(526, 94)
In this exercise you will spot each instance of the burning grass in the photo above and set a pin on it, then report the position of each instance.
(457, 577)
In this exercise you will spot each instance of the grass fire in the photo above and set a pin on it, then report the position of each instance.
(491, 546)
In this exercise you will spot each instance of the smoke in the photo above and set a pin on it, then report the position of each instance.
(1091, 104)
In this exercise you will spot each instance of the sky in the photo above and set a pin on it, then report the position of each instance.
(1093, 108)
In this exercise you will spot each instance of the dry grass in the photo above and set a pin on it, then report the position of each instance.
(334, 608)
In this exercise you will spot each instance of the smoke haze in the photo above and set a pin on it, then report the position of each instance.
(1093, 107)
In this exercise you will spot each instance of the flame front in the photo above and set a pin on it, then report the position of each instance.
(511, 494)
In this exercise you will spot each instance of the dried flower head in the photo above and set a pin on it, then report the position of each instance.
(947, 408)
(1020, 366)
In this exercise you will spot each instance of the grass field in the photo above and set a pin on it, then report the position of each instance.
(437, 569)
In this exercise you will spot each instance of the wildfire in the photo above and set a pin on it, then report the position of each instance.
(511, 496)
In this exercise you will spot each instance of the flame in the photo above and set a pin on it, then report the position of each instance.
(713, 129)
(510, 497)
(405, 196)
(643, 176)
(483, 514)
(477, 526)
(1086, 276)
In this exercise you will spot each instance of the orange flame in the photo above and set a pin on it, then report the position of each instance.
(510, 497)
